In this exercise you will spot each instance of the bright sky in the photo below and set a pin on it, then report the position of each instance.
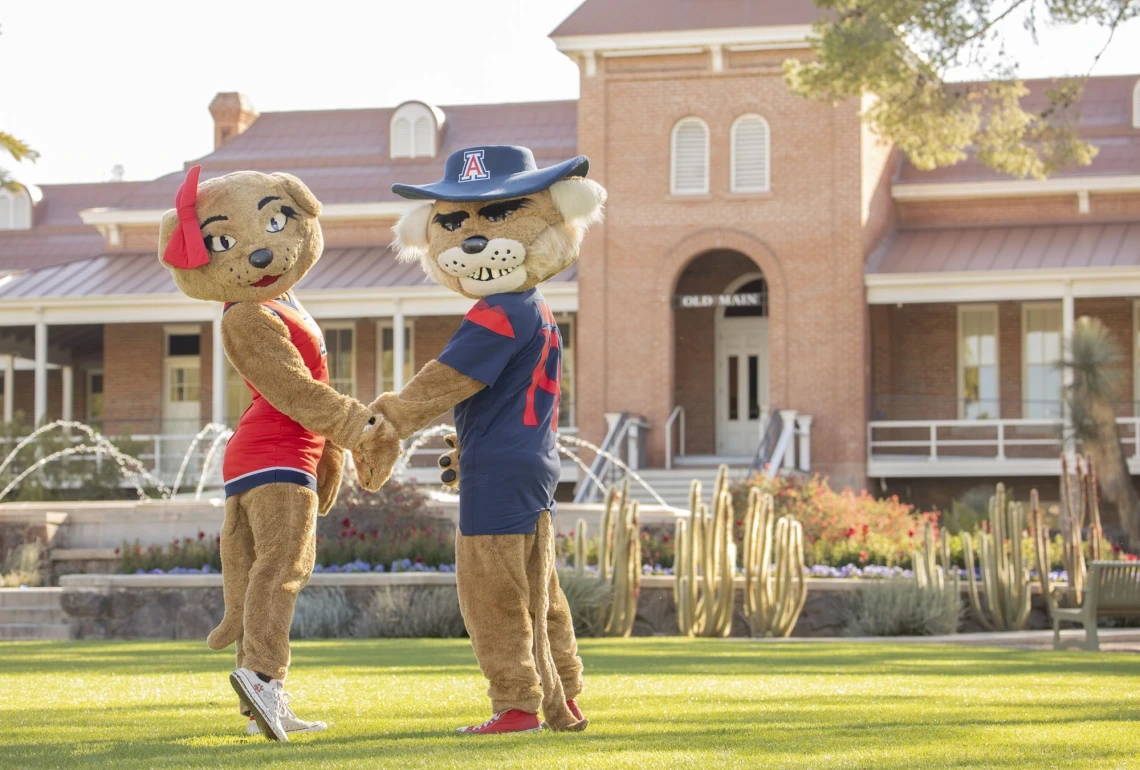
(94, 84)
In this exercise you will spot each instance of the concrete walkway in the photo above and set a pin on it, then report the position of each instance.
(1111, 639)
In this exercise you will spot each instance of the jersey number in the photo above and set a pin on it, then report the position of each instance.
(539, 378)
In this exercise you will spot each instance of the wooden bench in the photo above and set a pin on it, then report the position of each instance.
(1113, 591)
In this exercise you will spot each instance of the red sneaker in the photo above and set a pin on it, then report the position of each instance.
(577, 712)
(513, 721)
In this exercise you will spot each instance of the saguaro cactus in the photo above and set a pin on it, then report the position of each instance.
(1005, 577)
(1041, 546)
(932, 564)
(775, 586)
(619, 559)
(705, 565)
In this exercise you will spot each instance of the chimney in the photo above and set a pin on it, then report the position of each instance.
(233, 113)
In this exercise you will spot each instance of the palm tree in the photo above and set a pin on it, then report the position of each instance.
(17, 150)
(1096, 363)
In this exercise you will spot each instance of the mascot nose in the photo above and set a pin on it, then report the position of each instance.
(474, 244)
(261, 258)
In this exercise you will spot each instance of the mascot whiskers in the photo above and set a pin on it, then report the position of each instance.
(495, 227)
(245, 239)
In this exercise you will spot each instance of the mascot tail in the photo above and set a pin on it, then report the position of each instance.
(554, 708)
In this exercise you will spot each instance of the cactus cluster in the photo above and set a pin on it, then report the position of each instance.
(775, 584)
(1080, 507)
(619, 558)
(932, 563)
(705, 563)
(1005, 576)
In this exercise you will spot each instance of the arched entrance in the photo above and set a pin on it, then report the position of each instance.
(741, 366)
(721, 353)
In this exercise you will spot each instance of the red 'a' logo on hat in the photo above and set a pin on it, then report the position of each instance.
(473, 167)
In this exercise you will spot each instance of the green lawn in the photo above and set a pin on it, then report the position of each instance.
(653, 703)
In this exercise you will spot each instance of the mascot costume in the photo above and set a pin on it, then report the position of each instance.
(494, 228)
(245, 239)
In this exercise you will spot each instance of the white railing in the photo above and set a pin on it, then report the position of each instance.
(1033, 446)
(678, 414)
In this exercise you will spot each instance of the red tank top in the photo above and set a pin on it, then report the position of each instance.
(267, 446)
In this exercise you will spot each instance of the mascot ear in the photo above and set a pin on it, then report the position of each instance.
(300, 194)
(412, 232)
(165, 230)
(578, 199)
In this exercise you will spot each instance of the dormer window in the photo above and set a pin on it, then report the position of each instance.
(415, 130)
(15, 209)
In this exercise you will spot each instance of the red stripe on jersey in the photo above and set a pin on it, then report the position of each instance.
(493, 318)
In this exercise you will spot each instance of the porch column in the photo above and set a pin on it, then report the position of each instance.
(1067, 322)
(68, 375)
(218, 374)
(398, 347)
(9, 386)
(41, 388)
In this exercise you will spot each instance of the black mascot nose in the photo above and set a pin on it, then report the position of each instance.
(474, 244)
(261, 258)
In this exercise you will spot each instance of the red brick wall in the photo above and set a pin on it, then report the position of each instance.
(132, 378)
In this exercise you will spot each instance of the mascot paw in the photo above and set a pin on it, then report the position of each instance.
(376, 453)
(227, 632)
(449, 463)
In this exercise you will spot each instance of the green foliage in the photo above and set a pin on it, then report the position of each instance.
(589, 600)
(901, 608)
(902, 52)
(22, 566)
(322, 612)
(184, 553)
(411, 613)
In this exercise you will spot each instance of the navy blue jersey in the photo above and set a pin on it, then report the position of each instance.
(508, 455)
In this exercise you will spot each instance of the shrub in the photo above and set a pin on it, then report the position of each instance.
(411, 613)
(900, 608)
(21, 567)
(181, 553)
(589, 598)
(322, 613)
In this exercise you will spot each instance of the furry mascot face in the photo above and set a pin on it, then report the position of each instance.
(509, 245)
(260, 234)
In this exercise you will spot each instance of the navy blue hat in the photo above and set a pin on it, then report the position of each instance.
(491, 173)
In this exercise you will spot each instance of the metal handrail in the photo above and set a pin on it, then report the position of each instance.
(768, 440)
(614, 436)
(678, 412)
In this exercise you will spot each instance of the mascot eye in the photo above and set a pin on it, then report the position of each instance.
(277, 223)
(498, 217)
(451, 227)
(220, 242)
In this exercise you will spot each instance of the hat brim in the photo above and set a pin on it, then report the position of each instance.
(513, 186)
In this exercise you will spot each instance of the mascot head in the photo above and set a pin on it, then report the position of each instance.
(242, 237)
(496, 223)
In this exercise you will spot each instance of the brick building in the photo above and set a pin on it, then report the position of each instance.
(761, 255)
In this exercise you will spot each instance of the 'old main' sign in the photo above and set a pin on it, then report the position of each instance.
(719, 300)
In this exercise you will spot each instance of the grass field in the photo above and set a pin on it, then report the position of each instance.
(652, 703)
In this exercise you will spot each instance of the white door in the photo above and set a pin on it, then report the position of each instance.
(181, 410)
(741, 383)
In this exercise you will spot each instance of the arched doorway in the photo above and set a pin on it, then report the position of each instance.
(721, 353)
(741, 366)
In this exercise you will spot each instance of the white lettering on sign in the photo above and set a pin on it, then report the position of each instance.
(719, 300)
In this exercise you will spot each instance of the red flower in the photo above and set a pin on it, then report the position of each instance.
(201, 534)
(570, 534)
(218, 539)
(910, 533)
(866, 529)
(344, 533)
(740, 522)
(116, 551)
(362, 537)
(850, 532)
(862, 556)
(665, 538)
(346, 522)
(419, 560)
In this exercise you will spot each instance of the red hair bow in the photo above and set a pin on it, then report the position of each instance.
(186, 249)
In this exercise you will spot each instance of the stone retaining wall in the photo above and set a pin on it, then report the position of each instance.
(189, 606)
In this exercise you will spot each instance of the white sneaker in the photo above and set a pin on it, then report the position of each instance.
(268, 702)
(291, 723)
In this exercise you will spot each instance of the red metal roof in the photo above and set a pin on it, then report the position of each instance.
(344, 267)
(613, 17)
(966, 249)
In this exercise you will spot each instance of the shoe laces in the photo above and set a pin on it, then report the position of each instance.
(281, 703)
(494, 718)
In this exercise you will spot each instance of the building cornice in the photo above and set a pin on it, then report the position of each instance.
(107, 217)
(1000, 285)
(736, 38)
(1014, 188)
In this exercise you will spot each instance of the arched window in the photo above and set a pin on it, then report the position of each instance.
(415, 128)
(15, 209)
(750, 154)
(690, 166)
(1136, 105)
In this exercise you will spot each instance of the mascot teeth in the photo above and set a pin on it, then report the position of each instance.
(487, 274)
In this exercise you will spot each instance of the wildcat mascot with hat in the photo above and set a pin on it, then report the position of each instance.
(244, 240)
(493, 229)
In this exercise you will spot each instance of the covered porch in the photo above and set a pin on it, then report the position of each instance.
(968, 327)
